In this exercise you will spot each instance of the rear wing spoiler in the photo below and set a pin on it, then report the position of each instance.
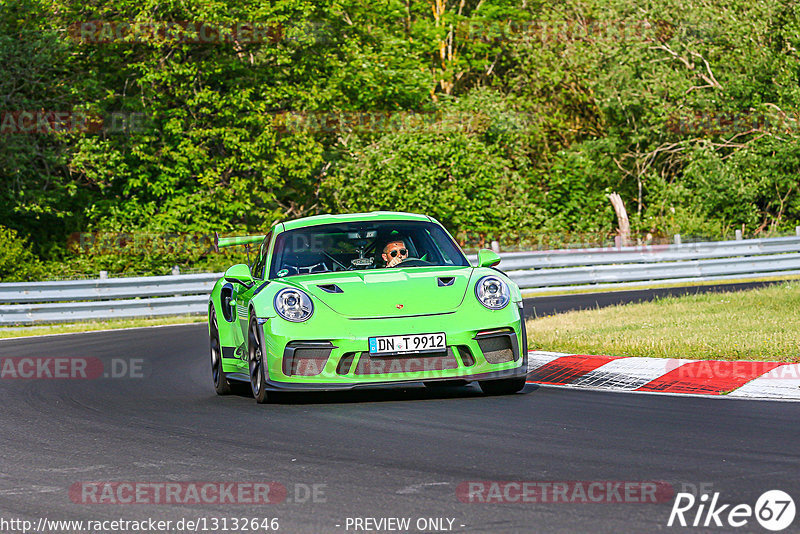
(221, 242)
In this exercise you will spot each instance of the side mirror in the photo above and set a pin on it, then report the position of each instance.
(239, 274)
(487, 258)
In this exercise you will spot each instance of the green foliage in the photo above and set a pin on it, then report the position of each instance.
(527, 116)
(462, 165)
(17, 262)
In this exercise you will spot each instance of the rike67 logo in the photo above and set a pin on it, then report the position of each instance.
(774, 510)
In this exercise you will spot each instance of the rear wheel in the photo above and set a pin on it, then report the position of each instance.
(221, 384)
(505, 386)
(257, 360)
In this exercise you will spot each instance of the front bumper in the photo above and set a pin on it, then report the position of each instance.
(338, 352)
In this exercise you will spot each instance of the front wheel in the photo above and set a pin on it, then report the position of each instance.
(221, 384)
(505, 386)
(256, 363)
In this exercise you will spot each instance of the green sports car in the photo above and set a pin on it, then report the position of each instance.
(368, 299)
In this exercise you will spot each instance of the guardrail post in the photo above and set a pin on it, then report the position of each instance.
(496, 247)
(103, 275)
(176, 270)
(677, 239)
(797, 231)
(738, 235)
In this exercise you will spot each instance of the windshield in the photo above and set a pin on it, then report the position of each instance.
(363, 245)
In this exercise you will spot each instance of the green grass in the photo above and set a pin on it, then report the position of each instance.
(97, 325)
(568, 290)
(760, 324)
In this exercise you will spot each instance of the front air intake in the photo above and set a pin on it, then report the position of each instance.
(466, 356)
(306, 358)
(345, 363)
(408, 363)
(499, 346)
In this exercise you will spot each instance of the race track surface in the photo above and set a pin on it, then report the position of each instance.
(388, 453)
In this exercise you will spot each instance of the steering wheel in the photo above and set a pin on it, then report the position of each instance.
(306, 269)
(413, 262)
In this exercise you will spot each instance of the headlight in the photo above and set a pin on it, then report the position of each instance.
(492, 292)
(293, 305)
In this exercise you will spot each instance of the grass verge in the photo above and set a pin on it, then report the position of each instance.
(90, 326)
(570, 290)
(760, 324)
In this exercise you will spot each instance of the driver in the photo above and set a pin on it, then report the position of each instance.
(394, 252)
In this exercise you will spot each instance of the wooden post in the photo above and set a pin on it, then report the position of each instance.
(622, 217)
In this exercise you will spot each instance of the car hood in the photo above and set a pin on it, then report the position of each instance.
(394, 292)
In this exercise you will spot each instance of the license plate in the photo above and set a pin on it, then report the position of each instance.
(409, 344)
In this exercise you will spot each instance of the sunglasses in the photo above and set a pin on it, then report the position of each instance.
(402, 251)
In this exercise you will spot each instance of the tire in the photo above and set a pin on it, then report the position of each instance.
(255, 359)
(505, 386)
(445, 384)
(218, 376)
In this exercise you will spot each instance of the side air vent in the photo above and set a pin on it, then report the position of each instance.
(226, 298)
(445, 281)
(330, 288)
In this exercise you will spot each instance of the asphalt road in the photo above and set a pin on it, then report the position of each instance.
(389, 453)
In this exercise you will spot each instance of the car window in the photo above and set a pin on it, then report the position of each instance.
(360, 245)
(261, 261)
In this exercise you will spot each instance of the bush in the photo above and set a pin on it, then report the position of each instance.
(17, 262)
(462, 165)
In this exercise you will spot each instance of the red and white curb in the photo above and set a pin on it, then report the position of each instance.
(747, 379)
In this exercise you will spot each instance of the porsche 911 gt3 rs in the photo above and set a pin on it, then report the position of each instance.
(362, 300)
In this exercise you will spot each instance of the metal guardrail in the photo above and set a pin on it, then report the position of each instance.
(109, 288)
(538, 271)
(67, 312)
(647, 253)
(105, 298)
